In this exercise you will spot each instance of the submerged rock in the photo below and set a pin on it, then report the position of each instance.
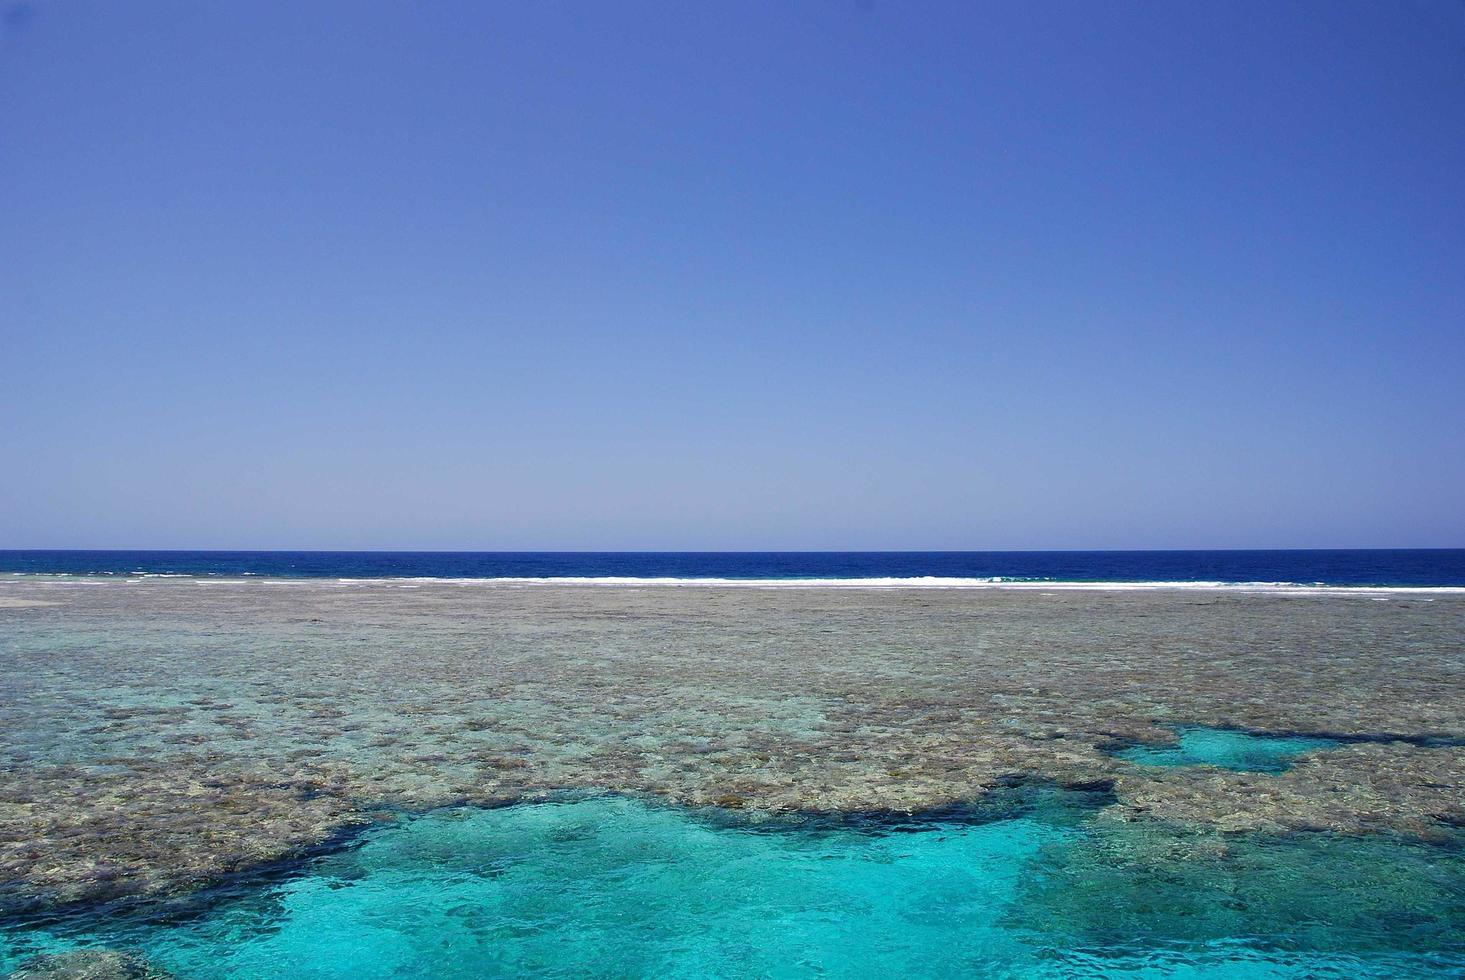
(89, 964)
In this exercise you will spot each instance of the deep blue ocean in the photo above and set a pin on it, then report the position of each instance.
(1419, 567)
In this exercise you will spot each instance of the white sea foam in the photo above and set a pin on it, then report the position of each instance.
(923, 582)
(1042, 586)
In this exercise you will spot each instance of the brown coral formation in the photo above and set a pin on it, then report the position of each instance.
(99, 964)
(158, 735)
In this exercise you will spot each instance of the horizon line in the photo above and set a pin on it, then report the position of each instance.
(714, 551)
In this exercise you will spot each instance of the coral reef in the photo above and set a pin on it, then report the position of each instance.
(157, 736)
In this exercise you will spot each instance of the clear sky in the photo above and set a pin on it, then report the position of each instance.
(732, 275)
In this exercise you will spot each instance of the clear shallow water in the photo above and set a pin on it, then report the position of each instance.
(1414, 567)
(156, 729)
(1227, 749)
(612, 886)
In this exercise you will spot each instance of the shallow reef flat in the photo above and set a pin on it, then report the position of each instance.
(161, 737)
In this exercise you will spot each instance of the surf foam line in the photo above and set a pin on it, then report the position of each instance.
(926, 582)
(885, 584)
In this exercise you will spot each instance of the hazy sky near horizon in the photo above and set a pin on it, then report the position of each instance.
(732, 275)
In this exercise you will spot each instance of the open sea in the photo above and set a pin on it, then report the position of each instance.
(1412, 567)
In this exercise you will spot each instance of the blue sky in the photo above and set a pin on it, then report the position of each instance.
(785, 275)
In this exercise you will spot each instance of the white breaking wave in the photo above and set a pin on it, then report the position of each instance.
(928, 582)
(842, 584)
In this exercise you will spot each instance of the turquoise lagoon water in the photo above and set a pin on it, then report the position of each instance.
(1227, 749)
(616, 887)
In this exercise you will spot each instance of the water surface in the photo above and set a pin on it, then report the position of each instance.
(1227, 749)
(563, 780)
(1416, 567)
(617, 887)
